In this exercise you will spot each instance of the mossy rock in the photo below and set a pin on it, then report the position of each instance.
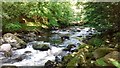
(14, 40)
(101, 52)
(41, 47)
(106, 60)
(112, 55)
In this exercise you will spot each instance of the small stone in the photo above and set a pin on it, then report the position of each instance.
(78, 29)
(27, 52)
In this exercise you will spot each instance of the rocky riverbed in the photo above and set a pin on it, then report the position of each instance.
(30, 49)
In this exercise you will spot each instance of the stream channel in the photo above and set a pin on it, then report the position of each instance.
(59, 42)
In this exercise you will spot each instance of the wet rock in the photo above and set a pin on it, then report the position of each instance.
(82, 27)
(112, 55)
(14, 59)
(20, 58)
(74, 50)
(7, 60)
(27, 52)
(9, 66)
(55, 39)
(78, 29)
(6, 48)
(14, 40)
(41, 46)
(64, 32)
(50, 64)
(30, 36)
(79, 36)
(57, 59)
(54, 28)
(101, 52)
(64, 38)
(68, 48)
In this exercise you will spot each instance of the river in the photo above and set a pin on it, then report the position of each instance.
(58, 41)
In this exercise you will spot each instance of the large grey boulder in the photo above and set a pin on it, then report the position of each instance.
(14, 40)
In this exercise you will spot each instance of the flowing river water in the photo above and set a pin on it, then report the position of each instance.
(31, 57)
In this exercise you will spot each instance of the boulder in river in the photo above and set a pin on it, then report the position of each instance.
(6, 48)
(50, 64)
(41, 46)
(14, 40)
(30, 36)
(64, 38)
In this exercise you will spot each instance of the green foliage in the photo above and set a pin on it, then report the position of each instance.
(57, 13)
(101, 62)
(66, 59)
(117, 35)
(101, 15)
(96, 42)
(13, 26)
(53, 22)
(115, 63)
(73, 62)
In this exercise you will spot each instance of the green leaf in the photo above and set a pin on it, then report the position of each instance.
(101, 62)
(116, 63)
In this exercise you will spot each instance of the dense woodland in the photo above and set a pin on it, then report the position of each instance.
(20, 17)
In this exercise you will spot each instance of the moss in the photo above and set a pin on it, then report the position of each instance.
(73, 62)
(66, 59)
(101, 52)
(100, 62)
(96, 42)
